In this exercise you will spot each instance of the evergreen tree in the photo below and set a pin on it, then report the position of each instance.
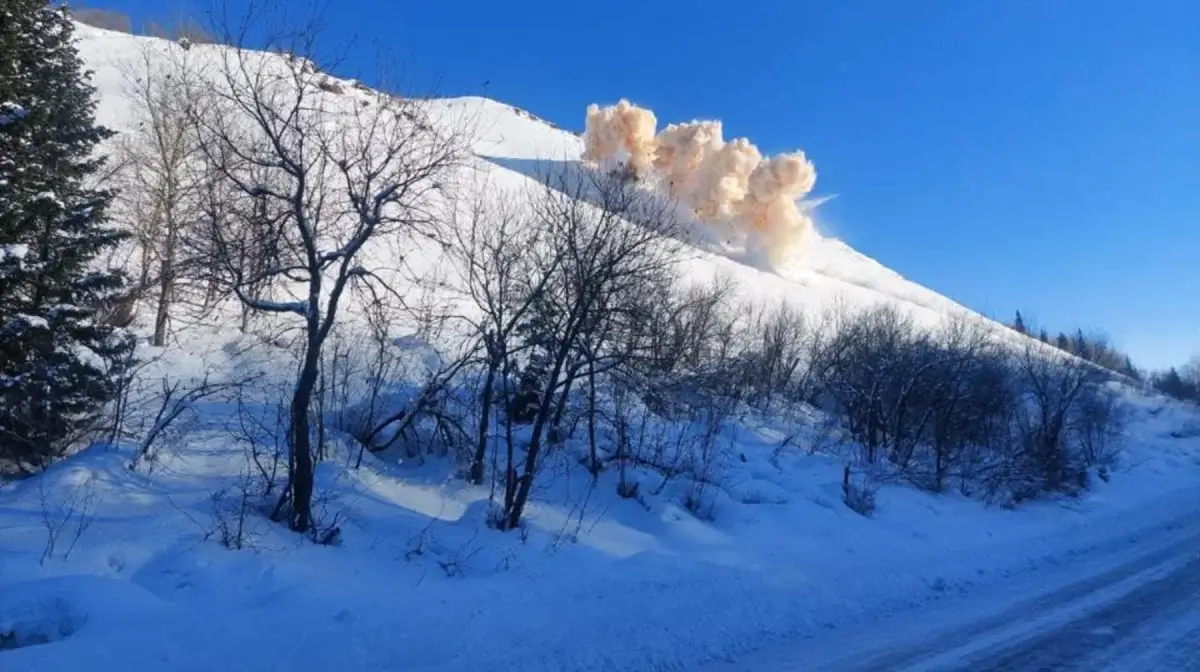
(1063, 343)
(1018, 324)
(58, 361)
(1172, 384)
(1130, 369)
(1083, 348)
(1044, 337)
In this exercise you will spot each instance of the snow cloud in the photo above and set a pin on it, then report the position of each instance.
(722, 181)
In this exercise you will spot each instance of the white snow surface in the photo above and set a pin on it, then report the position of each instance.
(16, 251)
(11, 112)
(137, 581)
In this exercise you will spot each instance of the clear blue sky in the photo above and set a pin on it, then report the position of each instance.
(1032, 154)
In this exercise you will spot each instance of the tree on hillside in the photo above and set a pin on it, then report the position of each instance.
(162, 185)
(58, 357)
(1018, 324)
(1131, 370)
(1052, 387)
(606, 243)
(1063, 343)
(1172, 384)
(308, 178)
(1082, 346)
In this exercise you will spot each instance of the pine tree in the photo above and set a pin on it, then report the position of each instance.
(1083, 348)
(58, 361)
(1044, 337)
(1019, 324)
(1172, 384)
(1131, 370)
(1063, 343)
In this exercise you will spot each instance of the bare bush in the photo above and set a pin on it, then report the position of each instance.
(1052, 388)
(175, 401)
(958, 403)
(1097, 424)
(778, 355)
(231, 511)
(710, 413)
(859, 492)
(876, 379)
(67, 513)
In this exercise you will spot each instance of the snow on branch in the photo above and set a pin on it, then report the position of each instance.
(11, 112)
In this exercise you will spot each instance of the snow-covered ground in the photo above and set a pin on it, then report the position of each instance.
(107, 568)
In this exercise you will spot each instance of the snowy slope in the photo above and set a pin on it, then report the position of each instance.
(513, 148)
(828, 272)
(136, 580)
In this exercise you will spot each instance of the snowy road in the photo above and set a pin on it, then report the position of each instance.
(1154, 627)
(1144, 615)
(1137, 610)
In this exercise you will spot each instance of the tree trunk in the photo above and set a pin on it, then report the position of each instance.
(166, 285)
(560, 408)
(485, 413)
(301, 480)
(594, 467)
(525, 482)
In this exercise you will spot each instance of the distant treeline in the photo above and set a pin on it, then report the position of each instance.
(1179, 382)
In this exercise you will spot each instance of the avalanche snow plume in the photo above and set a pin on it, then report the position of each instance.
(722, 181)
(622, 132)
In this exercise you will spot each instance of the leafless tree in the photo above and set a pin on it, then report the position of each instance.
(316, 176)
(605, 240)
(1053, 386)
(493, 239)
(777, 354)
(161, 175)
(879, 365)
(969, 393)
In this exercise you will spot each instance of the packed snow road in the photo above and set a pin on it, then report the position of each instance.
(1137, 610)
(1154, 627)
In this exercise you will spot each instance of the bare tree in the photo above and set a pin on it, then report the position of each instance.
(969, 393)
(161, 170)
(778, 354)
(879, 363)
(1053, 386)
(604, 241)
(501, 280)
(322, 177)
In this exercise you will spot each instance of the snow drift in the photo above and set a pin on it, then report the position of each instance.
(722, 181)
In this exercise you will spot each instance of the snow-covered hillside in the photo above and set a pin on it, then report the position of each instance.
(103, 567)
(512, 148)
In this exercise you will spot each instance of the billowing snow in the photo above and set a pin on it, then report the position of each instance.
(134, 578)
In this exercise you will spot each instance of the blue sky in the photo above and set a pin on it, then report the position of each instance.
(1033, 154)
